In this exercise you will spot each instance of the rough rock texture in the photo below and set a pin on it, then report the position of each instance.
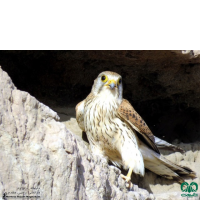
(40, 156)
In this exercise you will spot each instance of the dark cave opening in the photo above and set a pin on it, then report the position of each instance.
(163, 86)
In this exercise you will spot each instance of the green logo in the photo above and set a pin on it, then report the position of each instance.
(193, 187)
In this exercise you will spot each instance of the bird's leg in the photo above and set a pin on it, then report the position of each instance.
(127, 178)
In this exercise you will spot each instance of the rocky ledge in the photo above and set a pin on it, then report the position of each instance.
(40, 156)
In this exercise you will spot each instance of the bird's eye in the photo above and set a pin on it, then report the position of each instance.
(119, 81)
(104, 78)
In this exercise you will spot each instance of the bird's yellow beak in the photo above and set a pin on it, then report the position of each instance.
(111, 83)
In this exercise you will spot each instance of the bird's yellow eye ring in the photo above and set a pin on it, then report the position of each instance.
(119, 81)
(104, 78)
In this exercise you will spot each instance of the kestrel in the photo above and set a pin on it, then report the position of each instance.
(117, 132)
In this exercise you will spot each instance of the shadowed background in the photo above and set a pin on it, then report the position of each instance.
(163, 86)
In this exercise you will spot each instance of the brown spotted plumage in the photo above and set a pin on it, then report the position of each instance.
(117, 133)
(127, 112)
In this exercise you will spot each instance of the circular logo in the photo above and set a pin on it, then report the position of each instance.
(185, 187)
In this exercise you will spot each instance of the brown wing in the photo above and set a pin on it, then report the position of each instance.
(128, 113)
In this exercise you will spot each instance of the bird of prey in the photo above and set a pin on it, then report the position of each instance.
(118, 133)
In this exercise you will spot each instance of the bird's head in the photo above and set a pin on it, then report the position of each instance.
(108, 83)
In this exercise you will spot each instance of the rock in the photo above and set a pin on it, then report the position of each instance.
(41, 157)
(193, 53)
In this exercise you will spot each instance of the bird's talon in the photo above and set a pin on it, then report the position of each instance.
(127, 181)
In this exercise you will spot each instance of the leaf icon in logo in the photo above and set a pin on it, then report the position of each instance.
(184, 187)
(191, 188)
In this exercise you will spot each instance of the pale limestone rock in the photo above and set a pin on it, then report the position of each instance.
(73, 126)
(39, 152)
(191, 53)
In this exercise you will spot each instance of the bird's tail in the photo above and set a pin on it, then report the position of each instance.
(163, 167)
